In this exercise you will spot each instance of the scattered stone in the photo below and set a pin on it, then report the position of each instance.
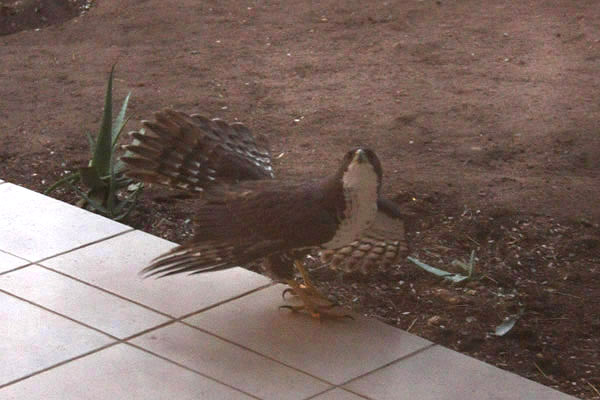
(434, 321)
(447, 296)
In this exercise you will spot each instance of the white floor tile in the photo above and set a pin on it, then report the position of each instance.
(32, 339)
(439, 373)
(79, 301)
(228, 363)
(35, 226)
(119, 372)
(114, 265)
(335, 351)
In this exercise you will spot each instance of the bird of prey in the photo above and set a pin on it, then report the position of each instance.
(245, 215)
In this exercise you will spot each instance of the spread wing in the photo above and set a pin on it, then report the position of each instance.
(194, 152)
(239, 224)
(382, 245)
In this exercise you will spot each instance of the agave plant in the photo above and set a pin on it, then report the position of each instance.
(106, 190)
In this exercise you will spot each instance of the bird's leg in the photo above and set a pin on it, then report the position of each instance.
(317, 305)
(308, 285)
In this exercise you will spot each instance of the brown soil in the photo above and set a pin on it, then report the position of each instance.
(484, 114)
(19, 15)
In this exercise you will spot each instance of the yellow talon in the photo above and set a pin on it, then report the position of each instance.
(317, 305)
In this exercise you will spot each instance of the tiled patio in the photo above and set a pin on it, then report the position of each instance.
(77, 322)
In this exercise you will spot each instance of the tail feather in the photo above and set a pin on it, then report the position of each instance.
(194, 152)
(198, 257)
(206, 257)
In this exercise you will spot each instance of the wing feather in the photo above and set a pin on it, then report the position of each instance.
(195, 153)
(240, 224)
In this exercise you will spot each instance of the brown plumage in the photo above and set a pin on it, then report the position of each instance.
(245, 215)
(242, 223)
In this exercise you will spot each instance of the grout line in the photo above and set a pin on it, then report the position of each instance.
(148, 330)
(60, 314)
(337, 387)
(180, 319)
(172, 319)
(125, 340)
(14, 255)
(239, 296)
(183, 317)
(87, 244)
(191, 370)
(405, 357)
(116, 341)
(58, 364)
(107, 291)
(16, 269)
(28, 263)
(175, 318)
(355, 393)
(256, 352)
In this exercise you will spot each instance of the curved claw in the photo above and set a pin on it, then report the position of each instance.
(312, 301)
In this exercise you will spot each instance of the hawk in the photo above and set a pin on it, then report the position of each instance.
(245, 214)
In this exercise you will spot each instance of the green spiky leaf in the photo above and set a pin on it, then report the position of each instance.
(70, 178)
(455, 278)
(120, 121)
(91, 142)
(112, 185)
(103, 151)
(508, 324)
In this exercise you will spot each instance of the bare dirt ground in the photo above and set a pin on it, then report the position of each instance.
(484, 114)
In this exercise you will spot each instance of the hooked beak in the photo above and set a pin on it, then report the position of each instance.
(360, 156)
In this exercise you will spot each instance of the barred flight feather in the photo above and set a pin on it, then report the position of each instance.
(194, 152)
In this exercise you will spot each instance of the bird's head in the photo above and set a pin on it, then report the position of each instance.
(359, 167)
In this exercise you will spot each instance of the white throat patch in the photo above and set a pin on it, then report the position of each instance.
(360, 192)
